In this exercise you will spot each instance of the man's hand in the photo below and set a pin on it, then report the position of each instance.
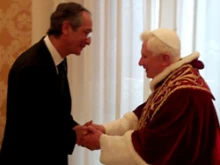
(88, 135)
(98, 127)
(88, 123)
(92, 139)
(81, 131)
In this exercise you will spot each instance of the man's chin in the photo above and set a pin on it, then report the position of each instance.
(77, 53)
(148, 76)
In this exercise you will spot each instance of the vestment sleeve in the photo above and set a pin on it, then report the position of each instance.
(186, 124)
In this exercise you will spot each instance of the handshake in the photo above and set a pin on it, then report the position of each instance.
(88, 135)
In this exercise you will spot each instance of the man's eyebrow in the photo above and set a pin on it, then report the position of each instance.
(88, 30)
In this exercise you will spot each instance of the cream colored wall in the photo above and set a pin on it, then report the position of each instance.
(15, 37)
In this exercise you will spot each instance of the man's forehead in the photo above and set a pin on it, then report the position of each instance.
(86, 17)
(85, 29)
(87, 24)
(144, 45)
(145, 48)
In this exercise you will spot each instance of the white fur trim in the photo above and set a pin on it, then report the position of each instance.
(118, 127)
(171, 68)
(119, 150)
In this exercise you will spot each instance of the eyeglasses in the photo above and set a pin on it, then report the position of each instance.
(89, 35)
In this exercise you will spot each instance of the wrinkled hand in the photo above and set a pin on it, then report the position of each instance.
(81, 131)
(98, 127)
(88, 135)
(88, 123)
(92, 139)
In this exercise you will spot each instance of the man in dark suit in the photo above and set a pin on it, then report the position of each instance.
(39, 127)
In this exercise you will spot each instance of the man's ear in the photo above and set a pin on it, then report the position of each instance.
(166, 59)
(65, 27)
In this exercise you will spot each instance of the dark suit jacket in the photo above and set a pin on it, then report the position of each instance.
(39, 122)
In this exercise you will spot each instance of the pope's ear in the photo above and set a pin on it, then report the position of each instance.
(166, 59)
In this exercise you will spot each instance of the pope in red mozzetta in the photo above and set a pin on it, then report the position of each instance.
(177, 125)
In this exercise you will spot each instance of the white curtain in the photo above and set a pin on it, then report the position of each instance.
(105, 80)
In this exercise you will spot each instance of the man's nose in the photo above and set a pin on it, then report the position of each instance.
(88, 41)
(140, 62)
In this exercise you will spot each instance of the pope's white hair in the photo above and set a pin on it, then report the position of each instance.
(157, 46)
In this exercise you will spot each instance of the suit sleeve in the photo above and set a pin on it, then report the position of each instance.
(36, 113)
